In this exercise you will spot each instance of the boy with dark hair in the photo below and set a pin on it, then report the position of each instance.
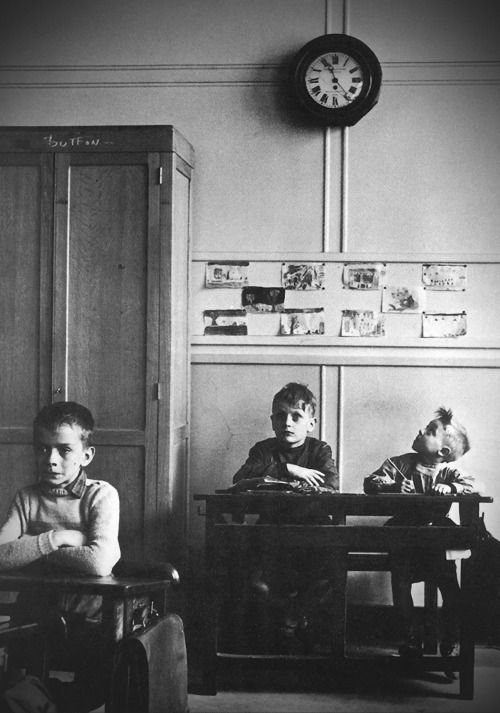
(292, 459)
(292, 455)
(64, 522)
(430, 469)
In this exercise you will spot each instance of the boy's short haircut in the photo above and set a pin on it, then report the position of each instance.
(295, 394)
(65, 412)
(457, 439)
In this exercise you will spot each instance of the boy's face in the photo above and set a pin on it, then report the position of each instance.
(60, 454)
(430, 442)
(291, 424)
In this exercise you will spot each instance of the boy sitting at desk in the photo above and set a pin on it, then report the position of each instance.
(431, 470)
(295, 460)
(65, 522)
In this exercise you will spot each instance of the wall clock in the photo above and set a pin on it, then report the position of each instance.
(336, 79)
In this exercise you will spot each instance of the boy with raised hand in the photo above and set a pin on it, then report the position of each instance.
(430, 469)
(65, 522)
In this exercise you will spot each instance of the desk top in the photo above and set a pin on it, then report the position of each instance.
(111, 585)
(347, 498)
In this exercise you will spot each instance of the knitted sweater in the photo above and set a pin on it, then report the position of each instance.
(91, 506)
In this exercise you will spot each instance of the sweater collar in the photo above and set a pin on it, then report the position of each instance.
(76, 488)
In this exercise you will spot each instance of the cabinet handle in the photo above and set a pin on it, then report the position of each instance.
(58, 390)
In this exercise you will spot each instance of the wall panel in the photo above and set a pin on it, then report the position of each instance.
(434, 171)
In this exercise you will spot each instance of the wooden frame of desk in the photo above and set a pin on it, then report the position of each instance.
(118, 593)
(227, 535)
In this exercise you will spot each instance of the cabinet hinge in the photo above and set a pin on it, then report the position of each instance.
(160, 175)
(158, 391)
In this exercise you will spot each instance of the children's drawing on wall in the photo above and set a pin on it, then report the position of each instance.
(362, 323)
(233, 273)
(364, 277)
(225, 321)
(302, 321)
(263, 299)
(445, 277)
(439, 324)
(308, 276)
(402, 299)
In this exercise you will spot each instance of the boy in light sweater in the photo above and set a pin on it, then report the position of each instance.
(65, 522)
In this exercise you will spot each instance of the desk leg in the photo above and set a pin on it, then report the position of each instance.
(211, 606)
(338, 578)
(466, 632)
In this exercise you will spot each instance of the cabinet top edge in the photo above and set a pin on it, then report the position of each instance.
(94, 139)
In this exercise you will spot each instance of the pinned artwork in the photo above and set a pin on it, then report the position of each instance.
(225, 321)
(308, 276)
(445, 277)
(440, 324)
(226, 274)
(363, 277)
(362, 323)
(402, 299)
(263, 299)
(302, 321)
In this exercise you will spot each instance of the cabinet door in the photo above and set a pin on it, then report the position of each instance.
(106, 321)
(25, 310)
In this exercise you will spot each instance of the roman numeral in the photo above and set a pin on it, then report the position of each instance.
(324, 98)
(313, 80)
(316, 91)
(354, 69)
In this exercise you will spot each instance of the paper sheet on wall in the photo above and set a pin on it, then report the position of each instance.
(362, 323)
(439, 324)
(302, 321)
(445, 277)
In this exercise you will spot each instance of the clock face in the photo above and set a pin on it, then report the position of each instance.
(334, 79)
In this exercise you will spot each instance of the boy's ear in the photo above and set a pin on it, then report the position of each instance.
(88, 455)
(444, 452)
(312, 424)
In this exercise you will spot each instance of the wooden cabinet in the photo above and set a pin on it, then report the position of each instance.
(94, 236)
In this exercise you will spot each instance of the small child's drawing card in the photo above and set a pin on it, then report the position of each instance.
(263, 299)
(302, 321)
(402, 299)
(225, 321)
(440, 324)
(308, 276)
(445, 277)
(233, 273)
(363, 277)
(362, 323)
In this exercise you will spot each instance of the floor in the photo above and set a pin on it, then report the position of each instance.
(371, 692)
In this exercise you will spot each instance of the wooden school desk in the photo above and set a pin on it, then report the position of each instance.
(125, 596)
(231, 535)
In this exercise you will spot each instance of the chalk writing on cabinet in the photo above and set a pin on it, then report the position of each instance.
(75, 142)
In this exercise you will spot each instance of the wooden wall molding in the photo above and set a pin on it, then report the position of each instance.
(231, 74)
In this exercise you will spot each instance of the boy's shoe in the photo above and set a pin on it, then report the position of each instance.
(448, 647)
(412, 649)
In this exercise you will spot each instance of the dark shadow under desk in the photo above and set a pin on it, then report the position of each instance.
(232, 534)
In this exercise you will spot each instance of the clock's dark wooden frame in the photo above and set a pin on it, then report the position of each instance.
(361, 105)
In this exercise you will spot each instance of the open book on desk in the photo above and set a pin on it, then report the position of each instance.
(266, 482)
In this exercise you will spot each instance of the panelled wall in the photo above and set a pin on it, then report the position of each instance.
(415, 181)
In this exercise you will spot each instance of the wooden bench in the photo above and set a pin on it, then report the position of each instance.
(380, 562)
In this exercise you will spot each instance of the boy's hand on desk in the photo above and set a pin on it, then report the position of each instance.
(313, 477)
(69, 538)
(441, 489)
(407, 486)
